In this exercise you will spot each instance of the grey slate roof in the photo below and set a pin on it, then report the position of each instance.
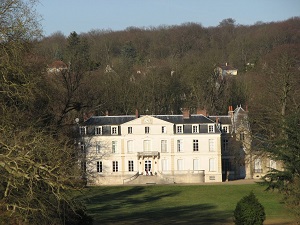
(222, 119)
(179, 119)
(175, 119)
(108, 120)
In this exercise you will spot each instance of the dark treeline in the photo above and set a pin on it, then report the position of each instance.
(164, 69)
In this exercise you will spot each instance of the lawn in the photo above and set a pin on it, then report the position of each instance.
(178, 204)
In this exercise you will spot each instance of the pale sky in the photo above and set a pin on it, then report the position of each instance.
(86, 15)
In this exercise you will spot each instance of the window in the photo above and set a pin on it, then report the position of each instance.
(195, 145)
(179, 145)
(98, 147)
(98, 130)
(130, 166)
(225, 145)
(114, 146)
(82, 148)
(211, 128)
(115, 166)
(211, 144)
(196, 164)
(211, 164)
(82, 130)
(147, 130)
(242, 136)
(129, 129)
(225, 129)
(147, 146)
(226, 164)
(180, 164)
(99, 167)
(164, 164)
(163, 146)
(163, 129)
(130, 146)
(257, 166)
(114, 130)
(195, 129)
(83, 166)
(179, 129)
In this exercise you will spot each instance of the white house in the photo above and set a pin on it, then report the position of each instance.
(226, 70)
(187, 148)
(165, 148)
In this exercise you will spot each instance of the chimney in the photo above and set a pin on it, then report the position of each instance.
(186, 113)
(106, 113)
(217, 120)
(137, 113)
(201, 111)
(230, 111)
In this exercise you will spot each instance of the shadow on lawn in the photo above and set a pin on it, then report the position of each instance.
(136, 206)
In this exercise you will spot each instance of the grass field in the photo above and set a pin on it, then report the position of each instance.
(178, 204)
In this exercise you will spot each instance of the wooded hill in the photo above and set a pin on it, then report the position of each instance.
(164, 69)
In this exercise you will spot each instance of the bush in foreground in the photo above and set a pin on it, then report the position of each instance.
(249, 211)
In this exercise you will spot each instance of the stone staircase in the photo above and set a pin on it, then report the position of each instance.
(143, 179)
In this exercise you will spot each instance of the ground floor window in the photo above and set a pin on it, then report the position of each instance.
(164, 164)
(115, 166)
(180, 164)
(212, 165)
(99, 167)
(257, 166)
(196, 164)
(226, 164)
(130, 166)
(83, 167)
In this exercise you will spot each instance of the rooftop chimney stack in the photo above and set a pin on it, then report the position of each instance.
(186, 113)
(137, 113)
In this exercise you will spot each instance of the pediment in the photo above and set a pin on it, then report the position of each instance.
(150, 120)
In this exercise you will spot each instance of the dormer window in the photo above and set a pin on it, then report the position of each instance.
(211, 129)
(98, 130)
(225, 129)
(114, 130)
(179, 129)
(82, 130)
(195, 128)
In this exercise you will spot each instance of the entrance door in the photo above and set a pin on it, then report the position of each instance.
(147, 167)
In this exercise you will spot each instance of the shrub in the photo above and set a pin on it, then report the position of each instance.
(249, 211)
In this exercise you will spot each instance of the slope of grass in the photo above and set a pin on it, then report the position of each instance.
(168, 204)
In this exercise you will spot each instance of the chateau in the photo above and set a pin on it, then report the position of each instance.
(187, 148)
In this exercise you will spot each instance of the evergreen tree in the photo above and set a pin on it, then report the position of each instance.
(249, 211)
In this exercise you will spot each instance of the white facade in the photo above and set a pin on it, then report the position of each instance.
(174, 149)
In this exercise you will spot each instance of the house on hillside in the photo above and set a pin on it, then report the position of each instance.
(57, 66)
(226, 70)
(187, 148)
